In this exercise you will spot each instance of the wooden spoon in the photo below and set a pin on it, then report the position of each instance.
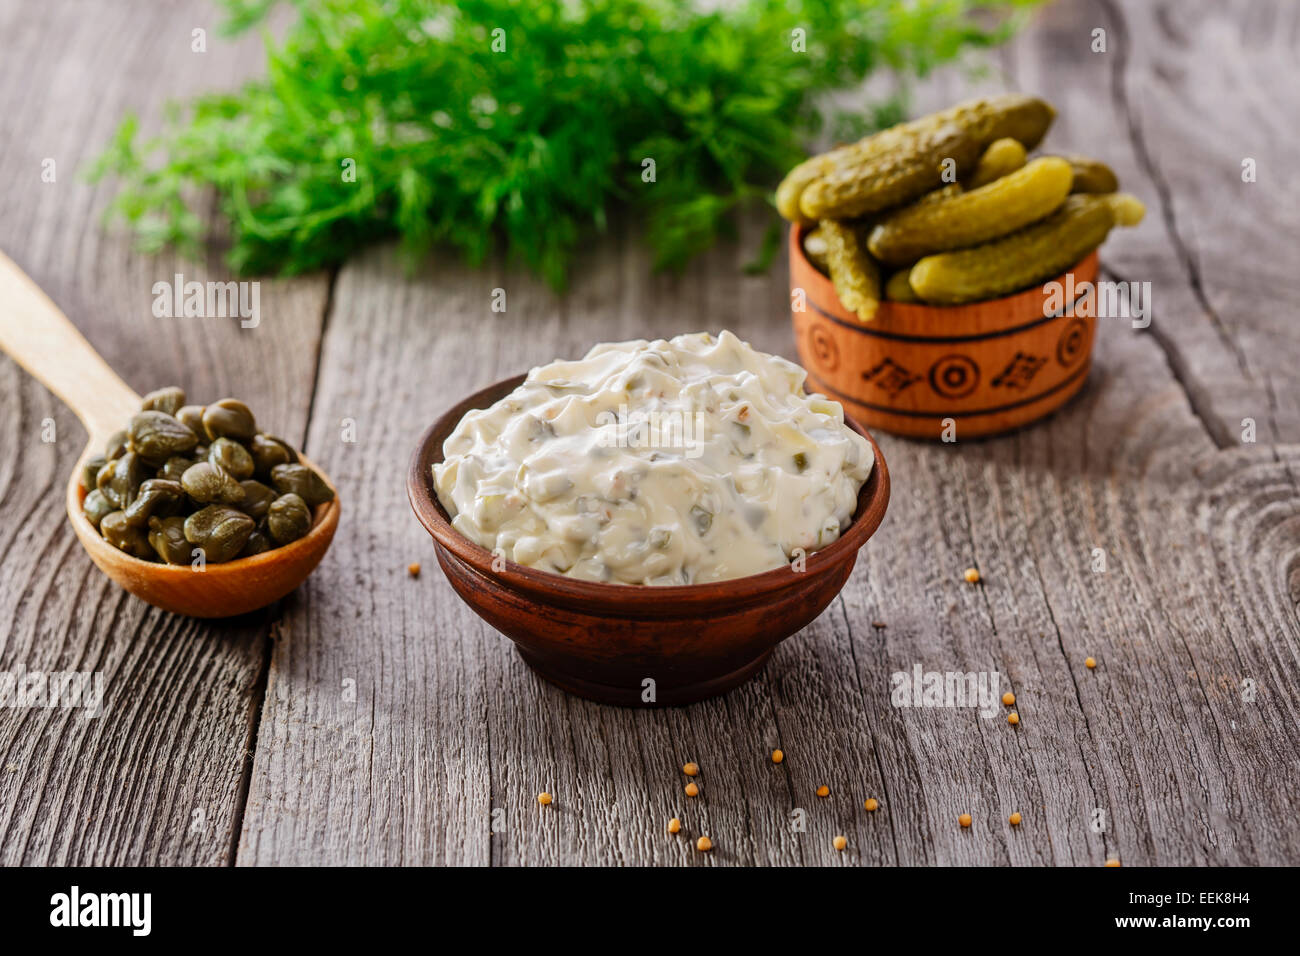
(42, 340)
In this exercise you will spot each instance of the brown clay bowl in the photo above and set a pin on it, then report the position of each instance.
(989, 366)
(607, 642)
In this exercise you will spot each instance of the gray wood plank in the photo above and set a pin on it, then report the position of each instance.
(1197, 89)
(1199, 595)
(158, 778)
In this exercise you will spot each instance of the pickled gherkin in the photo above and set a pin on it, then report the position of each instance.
(853, 273)
(1006, 116)
(899, 287)
(1091, 176)
(1003, 156)
(799, 178)
(814, 247)
(979, 122)
(892, 178)
(973, 216)
(1034, 254)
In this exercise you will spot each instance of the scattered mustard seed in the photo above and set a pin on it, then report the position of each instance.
(704, 844)
(823, 791)
(777, 756)
(870, 803)
(674, 825)
(1015, 819)
(691, 769)
(692, 790)
(964, 819)
(1090, 663)
(544, 798)
(1013, 718)
(840, 842)
(1008, 698)
(972, 576)
(413, 569)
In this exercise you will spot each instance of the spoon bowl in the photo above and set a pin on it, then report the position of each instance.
(218, 590)
(42, 340)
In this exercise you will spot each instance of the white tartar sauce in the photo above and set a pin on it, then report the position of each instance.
(677, 461)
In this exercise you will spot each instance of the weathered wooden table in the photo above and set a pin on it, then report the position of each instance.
(372, 719)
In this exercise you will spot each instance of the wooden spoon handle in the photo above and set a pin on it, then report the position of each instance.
(42, 340)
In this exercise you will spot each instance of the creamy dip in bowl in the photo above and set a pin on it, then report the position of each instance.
(674, 462)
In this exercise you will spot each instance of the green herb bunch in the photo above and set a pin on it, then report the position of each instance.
(525, 121)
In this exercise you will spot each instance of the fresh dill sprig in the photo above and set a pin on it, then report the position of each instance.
(485, 121)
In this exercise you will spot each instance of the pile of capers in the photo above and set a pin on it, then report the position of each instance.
(183, 480)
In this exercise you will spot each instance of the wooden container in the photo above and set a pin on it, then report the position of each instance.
(988, 367)
(606, 641)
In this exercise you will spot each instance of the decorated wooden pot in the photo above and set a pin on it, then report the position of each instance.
(944, 371)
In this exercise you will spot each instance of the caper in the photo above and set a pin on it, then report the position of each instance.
(207, 484)
(257, 499)
(184, 476)
(220, 532)
(128, 473)
(800, 461)
(174, 467)
(123, 536)
(303, 482)
(191, 415)
(96, 506)
(232, 457)
(103, 481)
(268, 451)
(258, 543)
(288, 519)
(156, 436)
(90, 471)
(169, 400)
(229, 418)
(116, 445)
(157, 496)
(167, 538)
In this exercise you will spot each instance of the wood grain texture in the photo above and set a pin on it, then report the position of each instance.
(398, 728)
(158, 778)
(1154, 757)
